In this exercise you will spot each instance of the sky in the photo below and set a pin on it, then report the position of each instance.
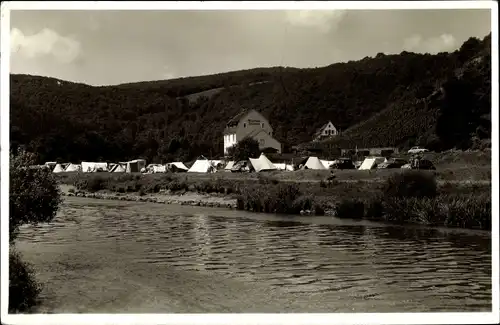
(113, 47)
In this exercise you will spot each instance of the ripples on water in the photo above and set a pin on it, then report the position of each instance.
(376, 263)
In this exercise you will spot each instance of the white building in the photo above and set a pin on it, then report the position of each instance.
(326, 131)
(250, 124)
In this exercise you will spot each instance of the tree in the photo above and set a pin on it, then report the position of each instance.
(246, 148)
(34, 198)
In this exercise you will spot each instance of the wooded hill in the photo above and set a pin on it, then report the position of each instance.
(442, 101)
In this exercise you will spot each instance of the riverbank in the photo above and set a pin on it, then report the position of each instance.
(425, 200)
(188, 198)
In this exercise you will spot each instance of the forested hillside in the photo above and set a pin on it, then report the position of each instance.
(441, 100)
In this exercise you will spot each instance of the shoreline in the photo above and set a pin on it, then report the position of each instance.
(188, 198)
(227, 201)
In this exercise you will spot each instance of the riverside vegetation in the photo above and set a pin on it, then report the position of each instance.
(34, 198)
(403, 197)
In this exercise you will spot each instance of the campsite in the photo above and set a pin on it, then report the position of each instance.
(455, 166)
(315, 189)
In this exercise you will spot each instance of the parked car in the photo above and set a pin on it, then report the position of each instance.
(420, 164)
(414, 150)
(342, 163)
(392, 163)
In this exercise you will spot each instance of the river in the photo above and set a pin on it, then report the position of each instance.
(101, 256)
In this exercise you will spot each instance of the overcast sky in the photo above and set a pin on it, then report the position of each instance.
(112, 47)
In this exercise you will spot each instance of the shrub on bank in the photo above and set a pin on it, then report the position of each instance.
(277, 198)
(92, 184)
(464, 211)
(23, 289)
(34, 198)
(350, 208)
(412, 197)
(472, 211)
(413, 210)
(374, 209)
(411, 183)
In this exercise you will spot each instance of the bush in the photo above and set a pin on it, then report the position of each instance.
(416, 184)
(319, 210)
(303, 203)
(92, 184)
(266, 179)
(34, 193)
(413, 210)
(284, 198)
(348, 208)
(470, 211)
(464, 211)
(24, 291)
(176, 185)
(374, 209)
(34, 198)
(272, 199)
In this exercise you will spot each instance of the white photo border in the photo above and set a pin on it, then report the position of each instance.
(206, 319)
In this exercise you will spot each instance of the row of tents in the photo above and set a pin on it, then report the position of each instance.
(93, 167)
(204, 165)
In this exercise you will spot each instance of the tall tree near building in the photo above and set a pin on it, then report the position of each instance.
(246, 148)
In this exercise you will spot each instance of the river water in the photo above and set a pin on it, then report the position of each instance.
(114, 256)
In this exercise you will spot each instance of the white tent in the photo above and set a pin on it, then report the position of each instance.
(229, 165)
(73, 168)
(371, 162)
(202, 166)
(58, 169)
(160, 169)
(178, 165)
(92, 167)
(262, 163)
(314, 163)
(284, 167)
(119, 168)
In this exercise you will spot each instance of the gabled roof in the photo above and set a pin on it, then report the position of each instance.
(238, 117)
(318, 131)
(241, 115)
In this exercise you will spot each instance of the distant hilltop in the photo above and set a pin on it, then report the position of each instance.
(442, 101)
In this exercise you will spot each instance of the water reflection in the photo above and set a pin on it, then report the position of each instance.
(381, 264)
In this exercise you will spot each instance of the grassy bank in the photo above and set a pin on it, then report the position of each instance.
(399, 197)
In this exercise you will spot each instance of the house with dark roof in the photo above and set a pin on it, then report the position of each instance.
(326, 131)
(250, 123)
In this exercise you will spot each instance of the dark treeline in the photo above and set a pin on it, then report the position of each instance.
(441, 100)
